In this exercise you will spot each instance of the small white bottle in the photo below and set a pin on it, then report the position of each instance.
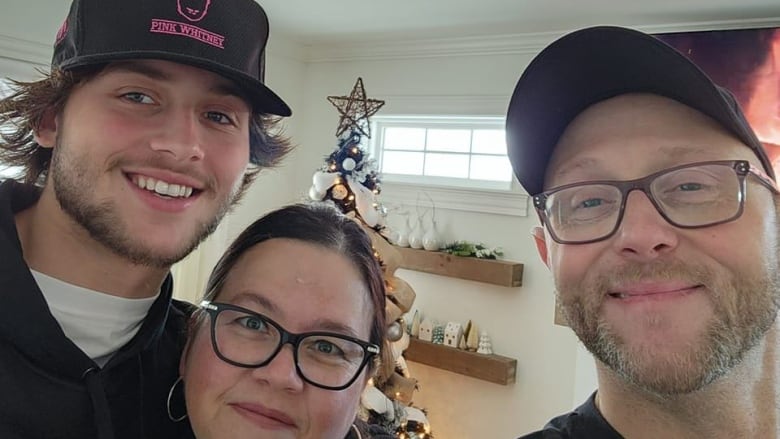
(431, 240)
(416, 236)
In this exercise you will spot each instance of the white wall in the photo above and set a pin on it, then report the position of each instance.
(519, 320)
(276, 187)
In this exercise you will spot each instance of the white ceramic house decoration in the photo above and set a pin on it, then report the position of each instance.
(452, 334)
(426, 330)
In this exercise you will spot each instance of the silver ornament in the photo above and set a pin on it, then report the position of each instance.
(348, 164)
(394, 331)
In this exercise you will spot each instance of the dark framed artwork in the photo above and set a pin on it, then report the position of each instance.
(747, 62)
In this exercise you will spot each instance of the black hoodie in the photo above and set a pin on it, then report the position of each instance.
(49, 388)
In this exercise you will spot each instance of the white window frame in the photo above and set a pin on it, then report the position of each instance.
(403, 191)
(433, 122)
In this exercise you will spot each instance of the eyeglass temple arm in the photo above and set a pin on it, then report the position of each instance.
(764, 178)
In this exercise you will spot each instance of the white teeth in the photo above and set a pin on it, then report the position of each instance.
(162, 187)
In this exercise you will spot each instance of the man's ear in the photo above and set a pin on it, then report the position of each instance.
(45, 133)
(541, 244)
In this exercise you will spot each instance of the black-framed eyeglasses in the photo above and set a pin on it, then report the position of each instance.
(244, 338)
(688, 196)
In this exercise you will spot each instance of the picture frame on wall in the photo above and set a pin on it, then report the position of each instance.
(747, 63)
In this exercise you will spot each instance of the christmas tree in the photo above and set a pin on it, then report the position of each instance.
(349, 179)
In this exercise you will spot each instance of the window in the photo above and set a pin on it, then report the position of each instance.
(460, 162)
(443, 151)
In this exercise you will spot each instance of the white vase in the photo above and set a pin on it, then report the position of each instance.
(431, 240)
(416, 237)
(402, 237)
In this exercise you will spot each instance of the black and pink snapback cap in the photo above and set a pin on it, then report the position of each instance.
(227, 37)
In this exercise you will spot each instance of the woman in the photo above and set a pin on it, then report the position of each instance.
(288, 333)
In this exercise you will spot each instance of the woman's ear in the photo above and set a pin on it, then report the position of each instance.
(541, 244)
(45, 134)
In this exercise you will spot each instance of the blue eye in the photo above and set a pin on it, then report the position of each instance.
(325, 348)
(252, 323)
(138, 97)
(690, 187)
(593, 202)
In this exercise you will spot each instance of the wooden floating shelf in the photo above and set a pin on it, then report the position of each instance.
(492, 271)
(493, 368)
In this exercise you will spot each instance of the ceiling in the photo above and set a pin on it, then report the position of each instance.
(322, 24)
(314, 22)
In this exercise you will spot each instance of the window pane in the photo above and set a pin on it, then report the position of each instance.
(404, 138)
(489, 142)
(493, 168)
(449, 140)
(447, 165)
(397, 162)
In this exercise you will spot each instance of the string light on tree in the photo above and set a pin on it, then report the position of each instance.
(349, 179)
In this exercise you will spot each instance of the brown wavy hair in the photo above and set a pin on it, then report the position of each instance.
(22, 112)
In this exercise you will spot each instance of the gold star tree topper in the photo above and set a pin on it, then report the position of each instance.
(355, 109)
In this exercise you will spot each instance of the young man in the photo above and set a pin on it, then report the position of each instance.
(660, 228)
(152, 122)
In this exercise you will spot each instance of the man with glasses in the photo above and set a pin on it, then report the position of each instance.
(659, 225)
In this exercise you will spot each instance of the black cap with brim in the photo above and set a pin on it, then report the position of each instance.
(594, 64)
(227, 37)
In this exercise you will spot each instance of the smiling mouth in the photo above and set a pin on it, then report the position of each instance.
(654, 294)
(264, 417)
(163, 188)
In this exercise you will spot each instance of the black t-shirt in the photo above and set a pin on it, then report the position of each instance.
(584, 422)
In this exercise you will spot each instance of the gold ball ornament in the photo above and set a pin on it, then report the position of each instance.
(339, 191)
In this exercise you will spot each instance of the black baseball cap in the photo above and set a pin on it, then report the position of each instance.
(227, 37)
(593, 64)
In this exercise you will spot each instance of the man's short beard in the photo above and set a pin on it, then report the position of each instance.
(733, 331)
(104, 223)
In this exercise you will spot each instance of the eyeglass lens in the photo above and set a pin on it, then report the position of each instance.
(252, 341)
(687, 197)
